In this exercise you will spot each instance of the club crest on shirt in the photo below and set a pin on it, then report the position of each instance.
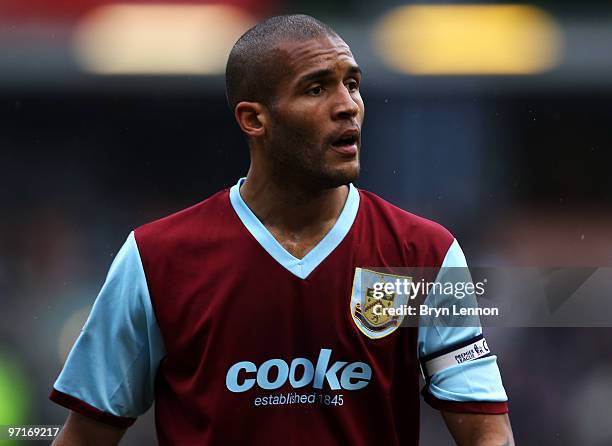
(369, 309)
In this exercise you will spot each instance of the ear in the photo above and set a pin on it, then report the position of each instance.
(252, 118)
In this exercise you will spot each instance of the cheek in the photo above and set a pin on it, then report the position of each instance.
(361, 105)
(307, 127)
(301, 124)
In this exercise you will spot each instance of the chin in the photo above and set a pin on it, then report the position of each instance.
(341, 176)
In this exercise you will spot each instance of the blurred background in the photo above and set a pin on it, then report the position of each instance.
(492, 119)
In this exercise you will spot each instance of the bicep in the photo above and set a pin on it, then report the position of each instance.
(459, 367)
(109, 374)
(81, 430)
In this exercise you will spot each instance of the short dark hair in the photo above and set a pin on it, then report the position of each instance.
(251, 74)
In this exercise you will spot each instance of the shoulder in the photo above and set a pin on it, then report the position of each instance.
(203, 220)
(416, 233)
(387, 213)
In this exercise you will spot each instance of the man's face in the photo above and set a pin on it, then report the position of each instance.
(314, 136)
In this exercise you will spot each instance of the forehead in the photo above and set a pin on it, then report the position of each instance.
(324, 52)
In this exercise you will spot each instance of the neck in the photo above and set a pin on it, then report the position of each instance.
(290, 207)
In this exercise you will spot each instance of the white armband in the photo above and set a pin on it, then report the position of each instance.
(469, 350)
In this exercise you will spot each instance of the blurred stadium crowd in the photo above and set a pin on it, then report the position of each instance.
(492, 120)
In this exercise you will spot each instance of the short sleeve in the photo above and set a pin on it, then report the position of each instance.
(473, 385)
(109, 374)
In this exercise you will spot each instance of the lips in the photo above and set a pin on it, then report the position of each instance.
(346, 142)
(346, 138)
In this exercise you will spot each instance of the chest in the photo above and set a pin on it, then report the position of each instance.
(241, 303)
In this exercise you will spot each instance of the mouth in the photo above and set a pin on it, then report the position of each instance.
(347, 143)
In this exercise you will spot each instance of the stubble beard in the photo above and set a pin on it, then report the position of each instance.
(300, 162)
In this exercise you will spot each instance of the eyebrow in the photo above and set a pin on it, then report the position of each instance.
(323, 73)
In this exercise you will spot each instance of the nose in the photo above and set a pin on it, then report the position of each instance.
(346, 107)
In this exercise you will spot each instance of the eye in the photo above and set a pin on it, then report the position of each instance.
(315, 91)
(352, 85)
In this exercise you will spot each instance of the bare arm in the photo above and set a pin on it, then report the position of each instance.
(479, 429)
(83, 431)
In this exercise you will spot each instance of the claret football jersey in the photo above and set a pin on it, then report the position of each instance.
(239, 342)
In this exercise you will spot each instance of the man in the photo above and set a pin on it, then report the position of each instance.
(237, 316)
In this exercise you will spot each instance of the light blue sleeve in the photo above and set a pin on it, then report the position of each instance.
(113, 363)
(477, 380)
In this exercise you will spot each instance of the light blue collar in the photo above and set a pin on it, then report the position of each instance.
(300, 267)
